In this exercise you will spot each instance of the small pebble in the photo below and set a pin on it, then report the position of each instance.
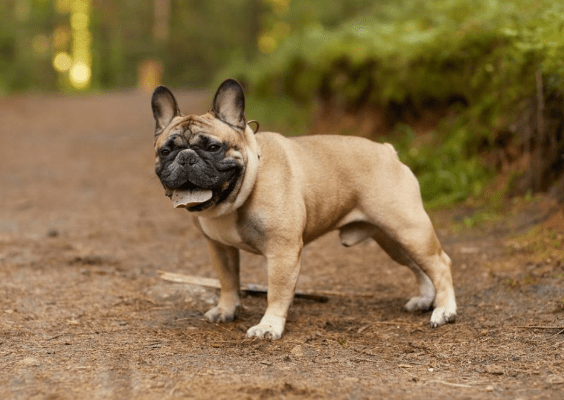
(52, 233)
(297, 351)
(494, 369)
(30, 362)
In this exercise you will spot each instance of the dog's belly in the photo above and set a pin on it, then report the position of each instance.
(224, 230)
(354, 227)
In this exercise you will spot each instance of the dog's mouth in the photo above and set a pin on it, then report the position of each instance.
(189, 195)
(195, 198)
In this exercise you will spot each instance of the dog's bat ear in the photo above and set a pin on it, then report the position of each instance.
(229, 103)
(165, 108)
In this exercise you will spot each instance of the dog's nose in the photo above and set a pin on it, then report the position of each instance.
(187, 156)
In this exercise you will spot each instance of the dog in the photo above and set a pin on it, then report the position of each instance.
(271, 195)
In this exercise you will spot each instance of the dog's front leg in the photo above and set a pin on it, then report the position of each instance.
(225, 259)
(283, 271)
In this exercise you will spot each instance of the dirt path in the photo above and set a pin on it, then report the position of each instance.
(84, 228)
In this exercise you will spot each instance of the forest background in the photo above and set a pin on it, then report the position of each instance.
(471, 94)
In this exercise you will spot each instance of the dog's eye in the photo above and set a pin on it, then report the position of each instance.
(212, 148)
(164, 152)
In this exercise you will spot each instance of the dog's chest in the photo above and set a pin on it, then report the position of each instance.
(224, 230)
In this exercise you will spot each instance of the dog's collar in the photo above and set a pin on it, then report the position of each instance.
(252, 121)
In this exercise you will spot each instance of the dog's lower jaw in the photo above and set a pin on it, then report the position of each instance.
(270, 327)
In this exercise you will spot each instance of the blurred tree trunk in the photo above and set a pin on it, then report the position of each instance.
(162, 19)
(547, 158)
(255, 12)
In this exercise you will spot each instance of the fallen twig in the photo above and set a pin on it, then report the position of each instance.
(538, 327)
(451, 384)
(404, 367)
(366, 360)
(370, 325)
(321, 296)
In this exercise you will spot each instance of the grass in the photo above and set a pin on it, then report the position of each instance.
(542, 244)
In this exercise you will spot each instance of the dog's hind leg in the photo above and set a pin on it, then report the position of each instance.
(438, 266)
(432, 268)
(406, 232)
(356, 232)
(424, 301)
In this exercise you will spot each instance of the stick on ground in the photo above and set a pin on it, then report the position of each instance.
(321, 296)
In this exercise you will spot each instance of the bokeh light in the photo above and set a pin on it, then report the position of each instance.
(79, 21)
(81, 69)
(279, 6)
(78, 63)
(150, 75)
(80, 75)
(268, 41)
(62, 62)
(266, 44)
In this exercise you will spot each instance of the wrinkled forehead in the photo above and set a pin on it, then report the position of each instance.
(188, 130)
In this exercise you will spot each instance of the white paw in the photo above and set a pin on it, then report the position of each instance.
(219, 314)
(442, 315)
(270, 327)
(419, 303)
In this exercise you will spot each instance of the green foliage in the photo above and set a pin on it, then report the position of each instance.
(287, 116)
(419, 54)
(420, 50)
(445, 175)
(22, 67)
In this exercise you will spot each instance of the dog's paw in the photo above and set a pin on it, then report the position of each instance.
(264, 331)
(270, 327)
(419, 303)
(219, 314)
(442, 315)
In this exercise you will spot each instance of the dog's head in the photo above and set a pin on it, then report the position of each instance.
(206, 163)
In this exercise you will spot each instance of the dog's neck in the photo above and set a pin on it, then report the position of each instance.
(244, 190)
(251, 169)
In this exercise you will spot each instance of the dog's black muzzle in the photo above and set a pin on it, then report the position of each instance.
(189, 171)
